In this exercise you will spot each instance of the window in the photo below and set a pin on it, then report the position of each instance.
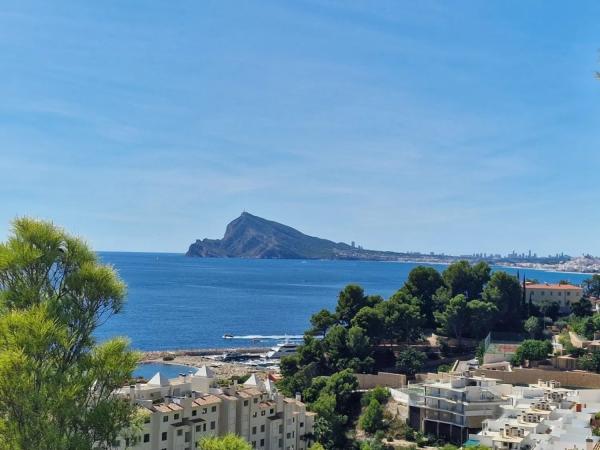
(253, 430)
(147, 437)
(254, 414)
(179, 432)
(271, 411)
(197, 428)
(164, 436)
(245, 402)
(288, 435)
(194, 412)
(262, 442)
(262, 413)
(176, 417)
(262, 428)
(301, 424)
(204, 410)
(255, 400)
(165, 418)
(147, 419)
(213, 409)
(212, 425)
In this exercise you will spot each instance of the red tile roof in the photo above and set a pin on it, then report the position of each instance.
(207, 400)
(561, 287)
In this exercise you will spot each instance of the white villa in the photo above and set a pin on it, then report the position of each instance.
(543, 416)
(454, 407)
(178, 412)
(469, 410)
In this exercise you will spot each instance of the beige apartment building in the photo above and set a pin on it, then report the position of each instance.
(564, 294)
(179, 412)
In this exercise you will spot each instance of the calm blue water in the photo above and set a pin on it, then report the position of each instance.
(176, 302)
(147, 370)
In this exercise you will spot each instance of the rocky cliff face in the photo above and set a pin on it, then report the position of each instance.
(250, 236)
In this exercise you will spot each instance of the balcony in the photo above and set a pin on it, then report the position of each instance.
(447, 417)
(444, 406)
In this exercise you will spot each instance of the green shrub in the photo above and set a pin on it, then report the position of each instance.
(371, 420)
(379, 393)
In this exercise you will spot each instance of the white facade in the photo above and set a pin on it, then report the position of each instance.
(453, 406)
(543, 416)
(180, 411)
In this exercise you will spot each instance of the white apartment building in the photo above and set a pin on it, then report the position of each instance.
(543, 416)
(564, 294)
(453, 406)
(179, 412)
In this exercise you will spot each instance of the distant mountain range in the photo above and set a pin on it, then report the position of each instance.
(251, 236)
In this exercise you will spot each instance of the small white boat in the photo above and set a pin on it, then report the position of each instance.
(282, 349)
(228, 336)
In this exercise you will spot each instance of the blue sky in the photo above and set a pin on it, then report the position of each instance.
(435, 126)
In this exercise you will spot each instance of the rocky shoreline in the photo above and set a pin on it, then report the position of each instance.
(154, 354)
(197, 358)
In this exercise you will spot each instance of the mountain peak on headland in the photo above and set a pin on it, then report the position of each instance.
(251, 236)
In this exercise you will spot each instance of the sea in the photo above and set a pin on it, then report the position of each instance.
(176, 302)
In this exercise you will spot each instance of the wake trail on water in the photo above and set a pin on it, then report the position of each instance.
(272, 336)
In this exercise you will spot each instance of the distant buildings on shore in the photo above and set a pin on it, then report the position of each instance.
(179, 412)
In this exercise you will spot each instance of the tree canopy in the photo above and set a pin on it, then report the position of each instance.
(410, 361)
(504, 291)
(466, 279)
(56, 383)
(590, 361)
(228, 442)
(591, 286)
(364, 331)
(455, 318)
(371, 420)
(533, 350)
(533, 326)
(422, 283)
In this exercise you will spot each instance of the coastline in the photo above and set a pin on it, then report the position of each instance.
(151, 355)
(545, 269)
(197, 358)
(541, 267)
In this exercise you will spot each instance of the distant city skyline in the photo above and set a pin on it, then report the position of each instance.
(448, 127)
